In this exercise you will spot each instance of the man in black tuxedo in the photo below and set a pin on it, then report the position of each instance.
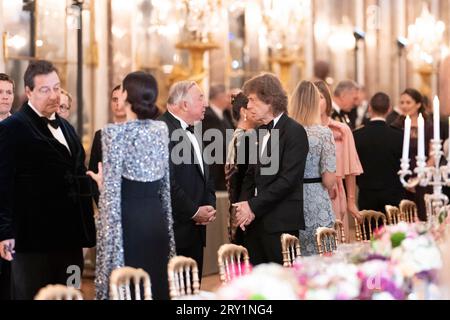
(191, 185)
(6, 101)
(379, 149)
(344, 99)
(217, 116)
(46, 214)
(119, 116)
(274, 189)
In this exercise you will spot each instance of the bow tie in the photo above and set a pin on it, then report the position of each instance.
(54, 123)
(268, 126)
(190, 129)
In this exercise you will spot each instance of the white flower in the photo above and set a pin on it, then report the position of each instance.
(382, 296)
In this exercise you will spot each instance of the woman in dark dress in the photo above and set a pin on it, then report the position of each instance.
(238, 157)
(134, 227)
(411, 103)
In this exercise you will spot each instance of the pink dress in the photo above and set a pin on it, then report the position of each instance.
(347, 164)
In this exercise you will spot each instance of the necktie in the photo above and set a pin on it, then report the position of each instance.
(268, 126)
(190, 129)
(53, 123)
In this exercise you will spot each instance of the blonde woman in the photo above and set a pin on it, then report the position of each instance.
(320, 170)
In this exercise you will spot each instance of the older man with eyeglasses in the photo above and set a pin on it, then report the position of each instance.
(46, 213)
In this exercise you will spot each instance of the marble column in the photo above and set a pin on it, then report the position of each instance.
(102, 90)
(2, 58)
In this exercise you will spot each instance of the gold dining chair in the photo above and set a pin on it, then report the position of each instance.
(233, 262)
(364, 230)
(121, 279)
(394, 215)
(183, 277)
(326, 240)
(408, 209)
(290, 247)
(58, 292)
(340, 230)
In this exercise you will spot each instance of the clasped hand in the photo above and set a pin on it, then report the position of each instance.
(205, 215)
(244, 214)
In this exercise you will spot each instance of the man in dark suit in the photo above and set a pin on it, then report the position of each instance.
(274, 188)
(191, 185)
(6, 101)
(119, 116)
(46, 214)
(217, 116)
(379, 149)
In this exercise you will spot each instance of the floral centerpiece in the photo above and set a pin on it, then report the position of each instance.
(266, 282)
(328, 279)
(410, 247)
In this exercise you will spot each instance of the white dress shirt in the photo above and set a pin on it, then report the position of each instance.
(57, 133)
(265, 140)
(194, 141)
(267, 136)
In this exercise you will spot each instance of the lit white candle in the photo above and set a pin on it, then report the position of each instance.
(407, 137)
(436, 118)
(421, 137)
(448, 144)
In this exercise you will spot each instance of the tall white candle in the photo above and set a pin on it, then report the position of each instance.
(407, 137)
(421, 137)
(436, 119)
(449, 139)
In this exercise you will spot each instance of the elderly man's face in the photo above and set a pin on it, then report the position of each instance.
(348, 100)
(46, 95)
(260, 111)
(6, 97)
(197, 105)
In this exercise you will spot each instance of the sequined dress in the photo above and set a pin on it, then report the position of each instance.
(134, 225)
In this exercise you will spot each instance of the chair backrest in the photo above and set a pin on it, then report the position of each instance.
(326, 240)
(408, 210)
(394, 216)
(233, 262)
(340, 230)
(183, 277)
(371, 220)
(290, 247)
(58, 292)
(121, 279)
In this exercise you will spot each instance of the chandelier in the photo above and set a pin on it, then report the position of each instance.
(426, 46)
(284, 21)
(425, 38)
(285, 26)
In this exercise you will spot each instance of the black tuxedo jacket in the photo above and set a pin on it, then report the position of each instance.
(349, 118)
(96, 157)
(379, 149)
(45, 195)
(190, 189)
(279, 201)
(212, 121)
(96, 152)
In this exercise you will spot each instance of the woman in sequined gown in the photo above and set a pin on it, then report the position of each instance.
(320, 169)
(134, 226)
